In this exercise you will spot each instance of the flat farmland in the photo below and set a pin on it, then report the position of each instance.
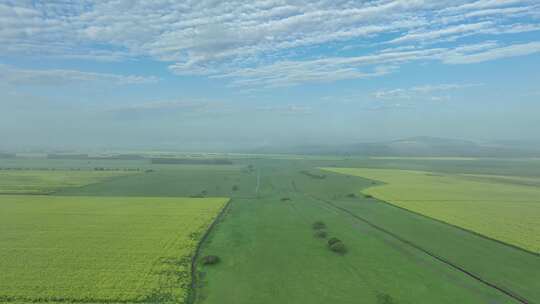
(100, 249)
(270, 254)
(47, 181)
(500, 207)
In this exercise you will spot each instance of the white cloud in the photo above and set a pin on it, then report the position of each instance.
(431, 35)
(422, 92)
(235, 39)
(16, 76)
(289, 109)
(492, 54)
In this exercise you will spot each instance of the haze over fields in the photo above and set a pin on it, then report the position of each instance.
(217, 75)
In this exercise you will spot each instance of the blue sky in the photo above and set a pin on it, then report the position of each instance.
(207, 74)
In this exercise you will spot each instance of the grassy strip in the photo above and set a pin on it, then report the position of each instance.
(192, 292)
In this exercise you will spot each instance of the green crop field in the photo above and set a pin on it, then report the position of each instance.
(99, 249)
(46, 181)
(504, 208)
(271, 256)
(265, 241)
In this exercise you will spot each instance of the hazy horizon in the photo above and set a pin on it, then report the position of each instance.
(207, 75)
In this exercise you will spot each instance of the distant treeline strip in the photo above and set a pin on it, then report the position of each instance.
(191, 161)
(313, 175)
(87, 157)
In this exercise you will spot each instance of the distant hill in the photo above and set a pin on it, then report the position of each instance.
(423, 146)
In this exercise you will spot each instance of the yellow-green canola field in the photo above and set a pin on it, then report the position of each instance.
(99, 249)
(500, 207)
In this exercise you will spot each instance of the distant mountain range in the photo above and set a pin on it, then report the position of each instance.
(422, 146)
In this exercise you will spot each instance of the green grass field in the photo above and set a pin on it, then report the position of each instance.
(176, 180)
(99, 249)
(47, 181)
(503, 208)
(271, 256)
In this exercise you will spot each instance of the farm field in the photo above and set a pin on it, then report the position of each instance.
(177, 180)
(503, 208)
(99, 249)
(275, 256)
(265, 241)
(47, 181)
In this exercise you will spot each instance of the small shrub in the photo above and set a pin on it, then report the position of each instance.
(338, 247)
(210, 260)
(319, 225)
(368, 196)
(321, 234)
(235, 188)
(351, 195)
(285, 199)
(383, 298)
(333, 240)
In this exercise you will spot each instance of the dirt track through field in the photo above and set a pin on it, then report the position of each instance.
(501, 289)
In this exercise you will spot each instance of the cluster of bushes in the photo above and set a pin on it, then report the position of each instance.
(115, 169)
(383, 298)
(334, 244)
(191, 161)
(319, 228)
(352, 195)
(199, 195)
(210, 260)
(313, 175)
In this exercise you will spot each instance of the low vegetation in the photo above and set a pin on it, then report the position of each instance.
(319, 225)
(210, 260)
(338, 247)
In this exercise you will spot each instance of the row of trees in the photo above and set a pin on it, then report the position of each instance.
(334, 244)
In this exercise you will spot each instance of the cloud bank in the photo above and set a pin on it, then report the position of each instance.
(272, 42)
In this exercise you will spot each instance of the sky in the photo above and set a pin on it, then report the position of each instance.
(213, 75)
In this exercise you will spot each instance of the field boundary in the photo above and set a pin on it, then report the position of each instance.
(59, 191)
(503, 290)
(461, 228)
(192, 292)
(439, 220)
(513, 246)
